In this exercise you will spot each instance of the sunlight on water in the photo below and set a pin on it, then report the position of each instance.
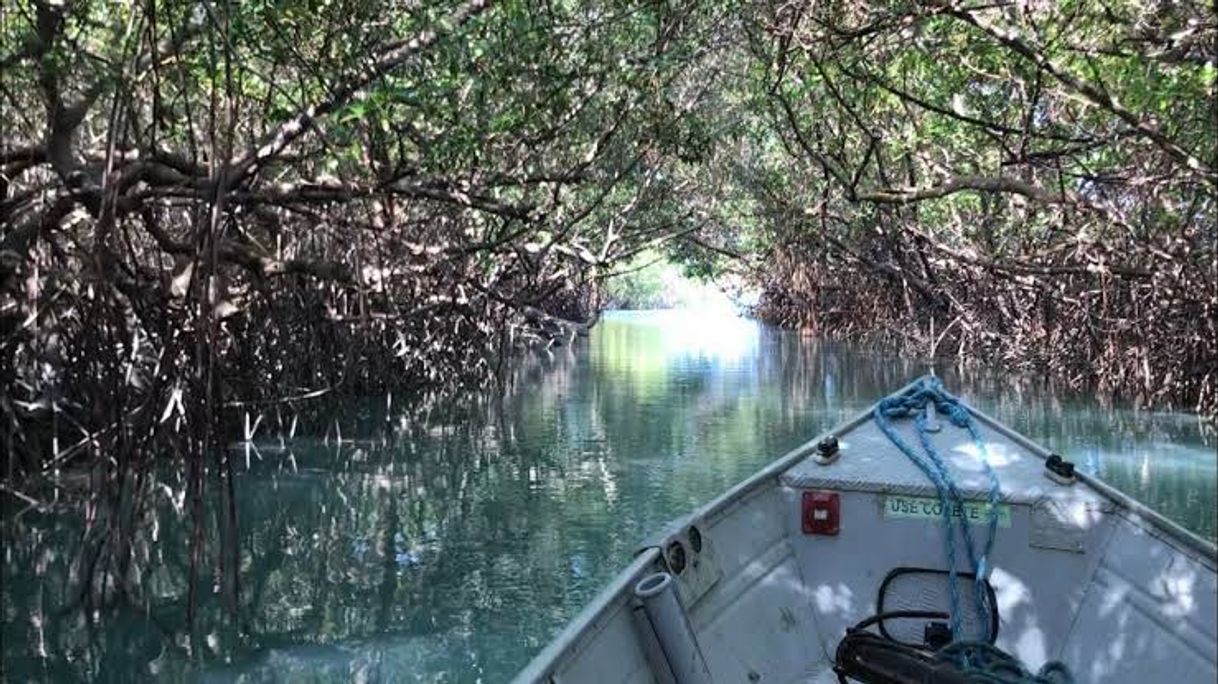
(715, 333)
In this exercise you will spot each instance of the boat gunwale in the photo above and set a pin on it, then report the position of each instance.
(543, 664)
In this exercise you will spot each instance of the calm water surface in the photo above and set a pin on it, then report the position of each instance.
(452, 550)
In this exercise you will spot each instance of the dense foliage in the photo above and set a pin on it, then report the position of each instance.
(1026, 183)
(218, 209)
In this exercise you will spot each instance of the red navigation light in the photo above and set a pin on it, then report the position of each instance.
(821, 513)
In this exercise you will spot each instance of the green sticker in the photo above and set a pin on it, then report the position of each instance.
(926, 508)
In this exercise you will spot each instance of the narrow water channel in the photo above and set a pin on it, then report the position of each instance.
(454, 554)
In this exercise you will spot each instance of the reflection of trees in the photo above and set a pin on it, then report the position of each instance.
(459, 541)
(1165, 460)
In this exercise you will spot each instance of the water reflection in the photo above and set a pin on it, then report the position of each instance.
(451, 547)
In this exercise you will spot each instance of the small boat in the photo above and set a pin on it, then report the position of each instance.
(921, 541)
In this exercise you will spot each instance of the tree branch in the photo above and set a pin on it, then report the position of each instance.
(960, 184)
(288, 131)
(1095, 95)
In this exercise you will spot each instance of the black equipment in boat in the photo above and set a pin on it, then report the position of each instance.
(870, 658)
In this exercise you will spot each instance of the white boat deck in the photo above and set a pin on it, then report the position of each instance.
(1080, 574)
(1077, 578)
(870, 463)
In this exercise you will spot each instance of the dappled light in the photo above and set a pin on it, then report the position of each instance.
(835, 599)
(997, 454)
(1009, 591)
(1024, 635)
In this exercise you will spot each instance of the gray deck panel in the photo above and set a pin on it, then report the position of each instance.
(869, 462)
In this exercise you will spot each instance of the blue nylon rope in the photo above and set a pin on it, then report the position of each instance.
(929, 391)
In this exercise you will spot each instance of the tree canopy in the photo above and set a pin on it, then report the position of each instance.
(319, 194)
(1031, 183)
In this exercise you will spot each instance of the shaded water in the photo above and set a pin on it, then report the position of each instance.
(452, 551)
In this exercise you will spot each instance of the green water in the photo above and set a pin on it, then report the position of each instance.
(451, 551)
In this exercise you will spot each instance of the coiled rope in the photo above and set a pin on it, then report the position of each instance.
(985, 664)
(912, 403)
